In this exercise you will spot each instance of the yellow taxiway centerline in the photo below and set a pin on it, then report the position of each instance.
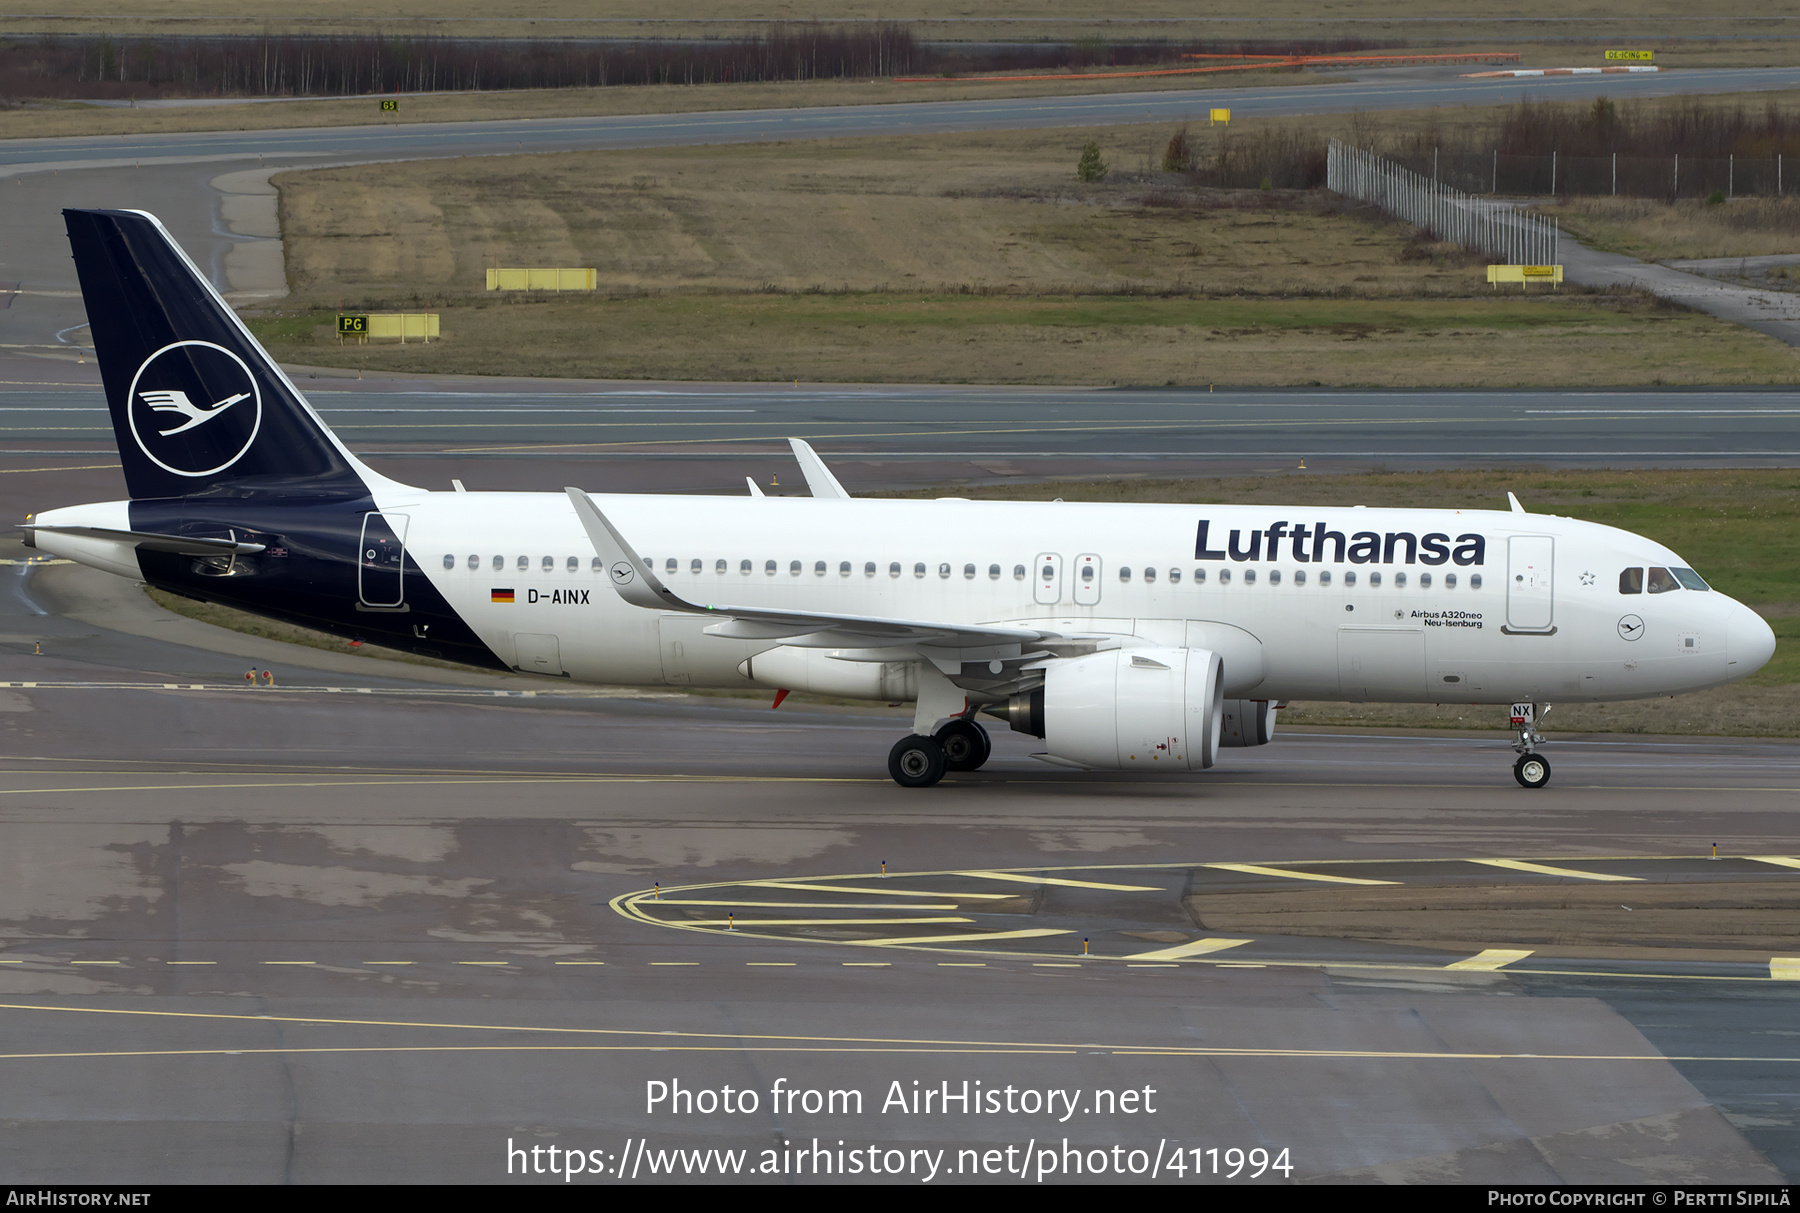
(1033, 933)
(1027, 878)
(1780, 861)
(1254, 869)
(1544, 869)
(1199, 947)
(1489, 959)
(1784, 968)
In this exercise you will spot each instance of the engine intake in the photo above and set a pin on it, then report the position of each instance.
(1129, 709)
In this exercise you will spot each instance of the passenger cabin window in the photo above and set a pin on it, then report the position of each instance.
(818, 568)
(894, 569)
(994, 572)
(1018, 572)
(1299, 576)
(694, 566)
(1174, 576)
(719, 567)
(1249, 576)
(1424, 581)
(869, 569)
(499, 563)
(793, 568)
(1662, 581)
(744, 567)
(943, 570)
(1449, 581)
(474, 562)
(549, 564)
(574, 564)
(1400, 581)
(1274, 576)
(669, 566)
(1474, 581)
(919, 569)
(524, 563)
(449, 562)
(1374, 581)
(968, 572)
(1124, 573)
(1631, 581)
(1199, 576)
(1149, 575)
(1224, 576)
(1349, 578)
(769, 568)
(1324, 577)
(843, 568)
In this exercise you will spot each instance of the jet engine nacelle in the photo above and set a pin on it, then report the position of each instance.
(1135, 709)
(1248, 722)
(793, 668)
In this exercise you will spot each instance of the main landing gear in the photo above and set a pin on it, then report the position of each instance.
(918, 761)
(1532, 770)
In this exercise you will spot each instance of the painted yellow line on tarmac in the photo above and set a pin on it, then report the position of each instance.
(289, 962)
(962, 964)
(389, 962)
(484, 962)
(1153, 966)
(1489, 959)
(802, 905)
(1240, 964)
(1784, 968)
(673, 964)
(1028, 878)
(1544, 869)
(867, 964)
(882, 892)
(1254, 869)
(1033, 933)
(820, 922)
(770, 964)
(579, 962)
(1780, 861)
(1199, 947)
(96, 962)
(191, 962)
(1055, 964)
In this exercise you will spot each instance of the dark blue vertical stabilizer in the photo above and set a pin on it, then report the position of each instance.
(197, 407)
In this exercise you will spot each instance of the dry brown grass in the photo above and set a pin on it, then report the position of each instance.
(1660, 231)
(995, 210)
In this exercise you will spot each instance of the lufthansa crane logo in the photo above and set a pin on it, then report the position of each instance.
(194, 408)
(622, 572)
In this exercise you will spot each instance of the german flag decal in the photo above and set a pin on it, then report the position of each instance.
(502, 596)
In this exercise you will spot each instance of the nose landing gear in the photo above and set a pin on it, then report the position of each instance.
(1532, 770)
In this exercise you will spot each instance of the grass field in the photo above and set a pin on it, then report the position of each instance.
(1740, 527)
(959, 258)
(1660, 231)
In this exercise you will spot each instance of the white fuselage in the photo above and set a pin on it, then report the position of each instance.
(1538, 617)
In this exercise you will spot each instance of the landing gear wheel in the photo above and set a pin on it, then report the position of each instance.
(916, 762)
(1532, 771)
(966, 745)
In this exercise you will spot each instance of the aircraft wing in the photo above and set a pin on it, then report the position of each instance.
(638, 584)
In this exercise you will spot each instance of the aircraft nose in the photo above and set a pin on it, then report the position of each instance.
(1751, 645)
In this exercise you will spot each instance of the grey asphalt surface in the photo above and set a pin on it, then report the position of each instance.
(657, 438)
(171, 175)
(361, 928)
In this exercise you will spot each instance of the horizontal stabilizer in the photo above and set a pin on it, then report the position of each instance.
(181, 545)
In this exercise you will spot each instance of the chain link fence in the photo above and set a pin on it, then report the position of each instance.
(1485, 225)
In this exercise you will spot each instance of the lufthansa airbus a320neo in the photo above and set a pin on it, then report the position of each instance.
(1127, 637)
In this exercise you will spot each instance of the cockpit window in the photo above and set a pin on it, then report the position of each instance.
(1631, 581)
(1690, 579)
(1662, 581)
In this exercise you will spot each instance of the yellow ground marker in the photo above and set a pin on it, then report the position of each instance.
(1027, 878)
(673, 964)
(866, 964)
(803, 905)
(1489, 959)
(1198, 947)
(771, 964)
(1784, 968)
(1544, 869)
(288, 962)
(191, 962)
(389, 962)
(1780, 861)
(96, 962)
(1032, 933)
(484, 962)
(819, 922)
(579, 962)
(1259, 870)
(881, 892)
